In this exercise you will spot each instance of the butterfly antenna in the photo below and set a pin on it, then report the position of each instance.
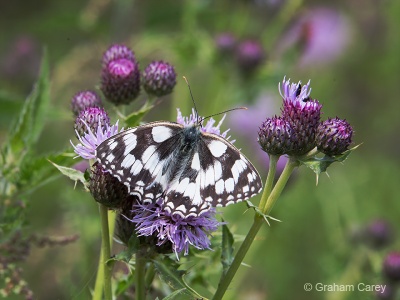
(194, 103)
(223, 112)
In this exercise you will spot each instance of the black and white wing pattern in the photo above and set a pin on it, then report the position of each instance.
(192, 171)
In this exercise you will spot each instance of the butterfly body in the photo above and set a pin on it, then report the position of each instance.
(190, 170)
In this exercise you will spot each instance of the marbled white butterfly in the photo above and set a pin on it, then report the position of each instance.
(191, 170)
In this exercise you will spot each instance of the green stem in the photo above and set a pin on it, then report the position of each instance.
(273, 160)
(258, 221)
(105, 251)
(150, 273)
(140, 274)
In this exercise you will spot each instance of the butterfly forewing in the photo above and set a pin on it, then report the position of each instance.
(192, 171)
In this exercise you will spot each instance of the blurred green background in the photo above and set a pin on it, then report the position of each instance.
(354, 74)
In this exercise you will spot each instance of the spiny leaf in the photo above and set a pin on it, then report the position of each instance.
(321, 164)
(29, 125)
(73, 174)
(169, 273)
(134, 118)
(227, 248)
(126, 255)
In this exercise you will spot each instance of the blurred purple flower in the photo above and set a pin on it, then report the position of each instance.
(225, 42)
(153, 220)
(322, 33)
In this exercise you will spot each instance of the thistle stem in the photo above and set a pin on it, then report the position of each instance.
(140, 275)
(258, 221)
(105, 254)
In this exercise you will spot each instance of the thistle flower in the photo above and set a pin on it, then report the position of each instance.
(120, 81)
(83, 100)
(274, 136)
(105, 188)
(391, 266)
(249, 55)
(90, 140)
(91, 118)
(334, 136)
(117, 51)
(159, 78)
(153, 220)
(302, 113)
(209, 127)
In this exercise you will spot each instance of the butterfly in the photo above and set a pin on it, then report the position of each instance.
(190, 170)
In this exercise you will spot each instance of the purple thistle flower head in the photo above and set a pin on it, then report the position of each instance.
(159, 78)
(181, 233)
(302, 113)
(334, 136)
(117, 52)
(193, 119)
(83, 100)
(90, 140)
(391, 266)
(249, 55)
(91, 118)
(274, 136)
(120, 81)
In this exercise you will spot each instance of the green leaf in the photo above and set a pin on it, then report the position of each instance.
(37, 171)
(126, 255)
(227, 248)
(260, 213)
(175, 294)
(321, 164)
(134, 118)
(73, 174)
(169, 273)
(27, 129)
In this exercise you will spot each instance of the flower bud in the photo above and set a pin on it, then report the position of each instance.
(91, 118)
(106, 189)
(159, 78)
(83, 100)
(334, 136)
(120, 81)
(391, 266)
(117, 52)
(274, 136)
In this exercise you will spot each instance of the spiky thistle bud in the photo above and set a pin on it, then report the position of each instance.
(334, 136)
(120, 77)
(83, 100)
(91, 118)
(274, 136)
(106, 189)
(159, 78)
(303, 115)
(391, 266)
